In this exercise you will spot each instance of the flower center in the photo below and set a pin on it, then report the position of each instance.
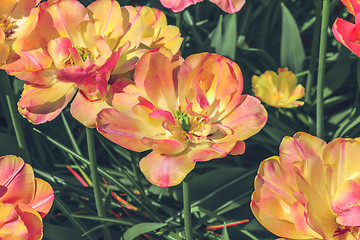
(84, 53)
(191, 126)
(184, 119)
(5, 26)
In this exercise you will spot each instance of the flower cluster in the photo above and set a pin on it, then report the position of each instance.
(70, 50)
(122, 68)
(24, 200)
(311, 190)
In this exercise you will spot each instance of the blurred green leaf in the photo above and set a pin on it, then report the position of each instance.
(140, 229)
(292, 50)
(224, 234)
(224, 36)
(55, 232)
(338, 73)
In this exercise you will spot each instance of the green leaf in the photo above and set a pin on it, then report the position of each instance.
(55, 232)
(292, 54)
(338, 73)
(224, 234)
(224, 36)
(140, 229)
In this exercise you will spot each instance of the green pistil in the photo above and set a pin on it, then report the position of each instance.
(184, 119)
(84, 53)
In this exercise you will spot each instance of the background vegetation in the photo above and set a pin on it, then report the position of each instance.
(264, 35)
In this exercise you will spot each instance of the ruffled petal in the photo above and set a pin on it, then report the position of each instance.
(247, 119)
(154, 75)
(164, 170)
(40, 105)
(44, 197)
(347, 34)
(85, 110)
(229, 6)
(123, 129)
(178, 5)
(343, 161)
(17, 183)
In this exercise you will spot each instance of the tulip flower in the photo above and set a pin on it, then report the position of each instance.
(157, 33)
(311, 190)
(184, 110)
(348, 33)
(76, 51)
(278, 90)
(17, 18)
(24, 200)
(229, 6)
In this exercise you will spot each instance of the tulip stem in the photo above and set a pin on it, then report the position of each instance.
(321, 71)
(95, 180)
(10, 99)
(187, 211)
(313, 58)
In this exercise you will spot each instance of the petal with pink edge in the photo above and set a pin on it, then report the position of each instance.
(32, 220)
(351, 217)
(345, 199)
(154, 75)
(342, 161)
(44, 197)
(29, 61)
(17, 183)
(229, 6)
(85, 110)
(11, 225)
(247, 119)
(178, 5)
(165, 171)
(40, 105)
(164, 146)
(347, 34)
(206, 152)
(353, 6)
(123, 129)
(59, 51)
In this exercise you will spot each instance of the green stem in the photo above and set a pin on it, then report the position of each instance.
(179, 20)
(187, 211)
(321, 71)
(69, 133)
(313, 58)
(10, 99)
(75, 222)
(95, 179)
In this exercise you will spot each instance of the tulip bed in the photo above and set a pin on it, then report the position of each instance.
(179, 119)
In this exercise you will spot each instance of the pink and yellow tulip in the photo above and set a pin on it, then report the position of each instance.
(157, 33)
(77, 50)
(229, 6)
(17, 18)
(278, 90)
(348, 33)
(24, 200)
(311, 190)
(184, 110)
